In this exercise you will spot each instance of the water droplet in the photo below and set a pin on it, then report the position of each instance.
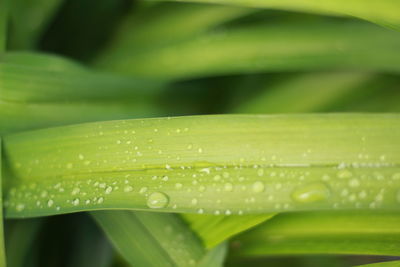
(75, 202)
(50, 203)
(344, 174)
(75, 191)
(194, 201)
(200, 211)
(128, 188)
(217, 177)
(258, 187)
(362, 194)
(20, 207)
(354, 183)
(108, 190)
(81, 157)
(157, 200)
(43, 194)
(311, 193)
(178, 185)
(228, 187)
(143, 190)
(100, 200)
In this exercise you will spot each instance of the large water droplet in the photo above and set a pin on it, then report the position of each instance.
(157, 200)
(258, 187)
(128, 189)
(108, 190)
(310, 193)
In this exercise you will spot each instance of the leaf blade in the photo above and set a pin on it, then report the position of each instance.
(333, 232)
(319, 156)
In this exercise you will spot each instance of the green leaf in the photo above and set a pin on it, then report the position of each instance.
(229, 164)
(164, 24)
(29, 20)
(2, 251)
(215, 257)
(39, 90)
(383, 264)
(38, 78)
(303, 93)
(333, 232)
(214, 229)
(3, 24)
(20, 238)
(151, 239)
(384, 12)
(257, 48)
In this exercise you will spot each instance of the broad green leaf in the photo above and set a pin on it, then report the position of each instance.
(215, 257)
(151, 239)
(383, 264)
(280, 46)
(214, 229)
(228, 164)
(3, 24)
(166, 23)
(20, 239)
(333, 232)
(2, 251)
(29, 77)
(39, 90)
(385, 12)
(303, 93)
(29, 20)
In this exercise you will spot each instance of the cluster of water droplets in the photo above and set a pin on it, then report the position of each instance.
(139, 172)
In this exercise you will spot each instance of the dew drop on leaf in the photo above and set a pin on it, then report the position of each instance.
(228, 187)
(157, 200)
(258, 187)
(108, 190)
(310, 193)
(128, 189)
(354, 182)
(75, 202)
